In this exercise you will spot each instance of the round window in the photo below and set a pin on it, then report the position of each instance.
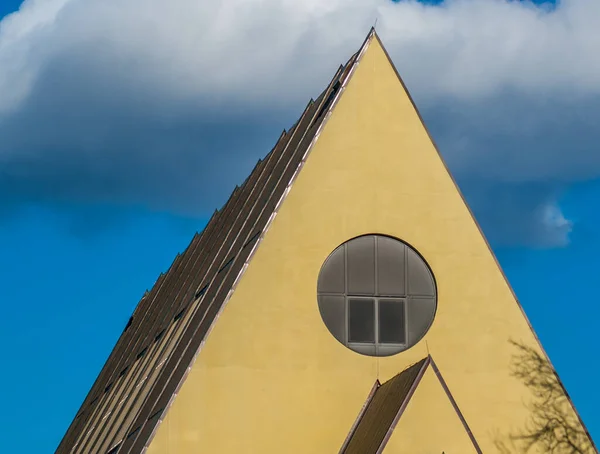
(376, 295)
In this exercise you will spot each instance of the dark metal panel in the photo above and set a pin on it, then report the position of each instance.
(206, 297)
(102, 382)
(389, 349)
(198, 276)
(391, 267)
(186, 284)
(114, 398)
(145, 334)
(166, 386)
(144, 382)
(420, 279)
(332, 278)
(360, 256)
(421, 312)
(161, 307)
(168, 303)
(123, 419)
(203, 315)
(364, 349)
(144, 322)
(333, 312)
(125, 397)
(204, 259)
(134, 384)
(111, 369)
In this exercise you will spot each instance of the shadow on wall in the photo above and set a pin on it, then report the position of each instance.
(553, 428)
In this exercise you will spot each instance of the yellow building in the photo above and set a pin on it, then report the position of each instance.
(344, 300)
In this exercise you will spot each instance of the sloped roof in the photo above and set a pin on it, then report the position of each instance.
(382, 410)
(385, 405)
(167, 328)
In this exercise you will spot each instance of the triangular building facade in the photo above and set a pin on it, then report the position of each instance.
(344, 300)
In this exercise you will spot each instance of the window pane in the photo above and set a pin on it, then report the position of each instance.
(392, 322)
(361, 323)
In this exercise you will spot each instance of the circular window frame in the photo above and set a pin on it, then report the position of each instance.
(415, 312)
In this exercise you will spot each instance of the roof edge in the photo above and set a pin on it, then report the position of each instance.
(326, 115)
(411, 391)
(438, 374)
(370, 396)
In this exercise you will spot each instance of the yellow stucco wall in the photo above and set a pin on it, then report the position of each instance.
(429, 407)
(271, 378)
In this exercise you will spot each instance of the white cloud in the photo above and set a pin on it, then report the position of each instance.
(556, 224)
(78, 76)
(249, 49)
(524, 214)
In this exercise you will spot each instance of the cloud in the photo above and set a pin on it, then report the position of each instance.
(523, 214)
(134, 102)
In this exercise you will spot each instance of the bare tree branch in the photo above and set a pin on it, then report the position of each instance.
(553, 427)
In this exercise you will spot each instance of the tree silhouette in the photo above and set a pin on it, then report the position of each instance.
(554, 427)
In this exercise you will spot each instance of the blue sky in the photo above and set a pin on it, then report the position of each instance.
(121, 129)
(9, 6)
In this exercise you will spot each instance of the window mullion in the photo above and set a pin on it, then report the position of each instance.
(376, 300)
(347, 319)
(376, 283)
(376, 321)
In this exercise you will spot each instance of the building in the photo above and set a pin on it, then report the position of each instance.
(343, 300)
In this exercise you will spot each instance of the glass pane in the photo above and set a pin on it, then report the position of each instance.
(361, 320)
(392, 322)
(361, 266)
